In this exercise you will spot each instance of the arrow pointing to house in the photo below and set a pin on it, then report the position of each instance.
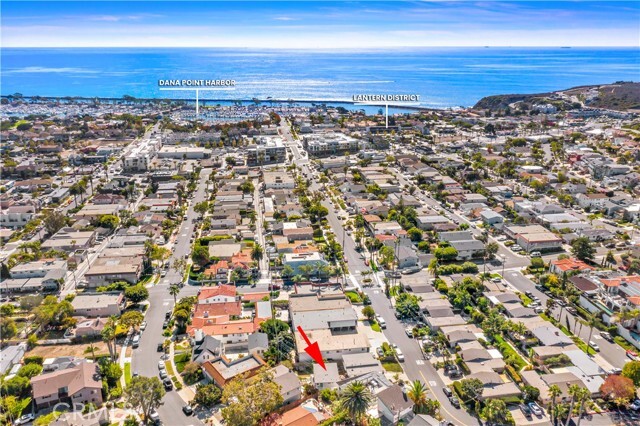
(312, 349)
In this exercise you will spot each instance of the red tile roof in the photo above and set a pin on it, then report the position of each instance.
(221, 290)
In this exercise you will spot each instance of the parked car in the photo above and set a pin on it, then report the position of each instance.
(160, 347)
(154, 416)
(399, 355)
(606, 336)
(168, 384)
(380, 351)
(187, 410)
(594, 346)
(381, 322)
(143, 325)
(635, 405)
(163, 374)
(409, 332)
(525, 410)
(165, 324)
(136, 341)
(572, 310)
(454, 401)
(25, 419)
(535, 409)
(161, 365)
(631, 354)
(447, 391)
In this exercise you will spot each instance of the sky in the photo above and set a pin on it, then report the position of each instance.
(319, 25)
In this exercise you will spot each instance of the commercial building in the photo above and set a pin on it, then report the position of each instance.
(267, 150)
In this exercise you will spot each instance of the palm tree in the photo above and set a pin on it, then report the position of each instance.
(418, 394)
(554, 393)
(583, 396)
(109, 336)
(591, 321)
(356, 400)
(551, 305)
(174, 290)
(574, 391)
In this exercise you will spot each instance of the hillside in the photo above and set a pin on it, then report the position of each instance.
(620, 96)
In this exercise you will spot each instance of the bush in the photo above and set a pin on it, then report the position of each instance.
(515, 376)
(30, 370)
(35, 359)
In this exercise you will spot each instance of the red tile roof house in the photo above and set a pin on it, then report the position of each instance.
(567, 265)
(72, 385)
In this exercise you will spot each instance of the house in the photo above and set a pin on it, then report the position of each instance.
(468, 249)
(106, 270)
(539, 241)
(78, 384)
(102, 305)
(10, 356)
(90, 327)
(38, 269)
(297, 260)
(494, 386)
(326, 378)
(359, 364)
(480, 359)
(394, 404)
(424, 420)
(69, 240)
(222, 370)
(17, 216)
(491, 218)
(290, 386)
(562, 266)
(208, 349)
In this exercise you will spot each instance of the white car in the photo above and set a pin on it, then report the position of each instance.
(635, 405)
(25, 419)
(399, 355)
(143, 325)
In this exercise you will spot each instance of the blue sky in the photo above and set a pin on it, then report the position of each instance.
(320, 25)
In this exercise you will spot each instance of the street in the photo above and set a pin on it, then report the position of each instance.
(415, 366)
(145, 358)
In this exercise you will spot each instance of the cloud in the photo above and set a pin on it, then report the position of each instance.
(285, 18)
(118, 18)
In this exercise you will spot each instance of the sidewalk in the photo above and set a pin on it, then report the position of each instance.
(186, 393)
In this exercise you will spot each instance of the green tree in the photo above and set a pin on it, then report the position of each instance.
(145, 394)
(7, 310)
(631, 370)
(8, 329)
(491, 249)
(13, 407)
(111, 371)
(414, 234)
(54, 221)
(445, 253)
(554, 393)
(407, 305)
(131, 319)
(495, 411)
(136, 293)
(200, 255)
(257, 252)
(369, 313)
(471, 389)
(30, 370)
(108, 221)
(249, 402)
(174, 290)
(531, 393)
(207, 395)
(583, 249)
(201, 207)
(355, 400)
(418, 394)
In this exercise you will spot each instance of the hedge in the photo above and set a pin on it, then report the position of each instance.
(35, 359)
(514, 374)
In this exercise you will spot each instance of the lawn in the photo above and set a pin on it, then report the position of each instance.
(392, 367)
(526, 300)
(169, 368)
(507, 351)
(353, 297)
(180, 360)
(127, 373)
(375, 326)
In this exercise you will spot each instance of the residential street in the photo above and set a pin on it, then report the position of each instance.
(415, 366)
(146, 357)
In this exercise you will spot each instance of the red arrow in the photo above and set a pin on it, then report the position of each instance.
(313, 350)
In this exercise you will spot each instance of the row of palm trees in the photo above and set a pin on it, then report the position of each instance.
(579, 398)
(356, 399)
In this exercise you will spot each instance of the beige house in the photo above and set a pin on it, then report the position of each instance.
(72, 385)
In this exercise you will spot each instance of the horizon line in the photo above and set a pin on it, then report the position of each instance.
(325, 48)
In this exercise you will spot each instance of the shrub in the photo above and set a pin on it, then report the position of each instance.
(35, 359)
(514, 374)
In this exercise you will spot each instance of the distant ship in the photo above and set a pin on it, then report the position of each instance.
(565, 47)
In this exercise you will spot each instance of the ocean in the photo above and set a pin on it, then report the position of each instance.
(442, 77)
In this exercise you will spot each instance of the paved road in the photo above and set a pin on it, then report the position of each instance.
(415, 366)
(146, 357)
